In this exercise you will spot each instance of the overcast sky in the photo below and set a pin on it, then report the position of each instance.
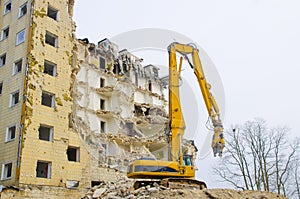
(254, 44)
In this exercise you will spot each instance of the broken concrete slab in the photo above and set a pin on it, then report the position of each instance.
(98, 192)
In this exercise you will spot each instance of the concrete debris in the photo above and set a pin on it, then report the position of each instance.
(99, 192)
(123, 189)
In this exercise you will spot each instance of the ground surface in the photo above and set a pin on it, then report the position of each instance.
(215, 194)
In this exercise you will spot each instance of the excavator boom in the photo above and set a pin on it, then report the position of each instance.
(218, 141)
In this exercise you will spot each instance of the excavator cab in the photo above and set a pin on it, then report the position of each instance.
(187, 160)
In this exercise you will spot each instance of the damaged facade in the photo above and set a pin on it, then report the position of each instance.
(119, 107)
(72, 113)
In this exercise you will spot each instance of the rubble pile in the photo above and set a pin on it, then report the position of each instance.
(123, 189)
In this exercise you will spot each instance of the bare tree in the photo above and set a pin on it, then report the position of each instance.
(260, 158)
(295, 183)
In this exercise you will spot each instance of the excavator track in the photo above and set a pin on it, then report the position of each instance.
(183, 183)
(172, 183)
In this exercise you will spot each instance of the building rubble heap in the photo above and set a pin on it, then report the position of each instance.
(123, 189)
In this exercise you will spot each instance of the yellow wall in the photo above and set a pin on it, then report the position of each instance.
(33, 148)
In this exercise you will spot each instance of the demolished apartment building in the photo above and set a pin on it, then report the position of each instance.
(119, 106)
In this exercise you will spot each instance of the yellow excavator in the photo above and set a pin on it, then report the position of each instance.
(179, 171)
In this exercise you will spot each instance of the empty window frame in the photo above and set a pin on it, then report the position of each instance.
(14, 98)
(43, 169)
(72, 184)
(50, 68)
(6, 171)
(10, 133)
(46, 133)
(7, 7)
(48, 99)
(20, 37)
(51, 39)
(102, 126)
(149, 85)
(102, 82)
(95, 183)
(102, 104)
(1, 87)
(4, 33)
(17, 67)
(73, 154)
(52, 13)
(23, 10)
(102, 63)
(2, 59)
